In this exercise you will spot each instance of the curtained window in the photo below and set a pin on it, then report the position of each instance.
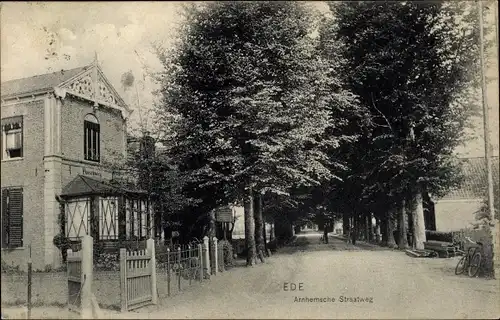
(12, 138)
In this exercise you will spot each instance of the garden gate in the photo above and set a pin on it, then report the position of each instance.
(138, 277)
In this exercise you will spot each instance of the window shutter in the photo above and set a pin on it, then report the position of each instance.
(16, 217)
(5, 219)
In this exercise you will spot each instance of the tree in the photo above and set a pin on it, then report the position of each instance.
(251, 101)
(414, 66)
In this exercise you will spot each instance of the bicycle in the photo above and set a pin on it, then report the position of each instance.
(470, 261)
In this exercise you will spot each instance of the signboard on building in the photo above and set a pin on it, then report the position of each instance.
(90, 172)
(224, 214)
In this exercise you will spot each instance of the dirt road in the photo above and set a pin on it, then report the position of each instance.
(340, 281)
(336, 281)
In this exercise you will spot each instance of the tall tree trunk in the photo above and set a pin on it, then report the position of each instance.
(354, 232)
(229, 232)
(325, 233)
(383, 231)
(391, 243)
(418, 221)
(378, 231)
(402, 237)
(367, 227)
(271, 232)
(371, 237)
(212, 227)
(249, 228)
(345, 224)
(349, 229)
(259, 226)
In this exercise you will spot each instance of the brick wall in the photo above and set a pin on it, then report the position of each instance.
(43, 179)
(28, 172)
(111, 125)
(52, 289)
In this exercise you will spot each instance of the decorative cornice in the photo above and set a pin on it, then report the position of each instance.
(26, 97)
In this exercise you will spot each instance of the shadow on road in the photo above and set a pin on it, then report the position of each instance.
(312, 242)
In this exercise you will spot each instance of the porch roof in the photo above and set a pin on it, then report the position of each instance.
(85, 186)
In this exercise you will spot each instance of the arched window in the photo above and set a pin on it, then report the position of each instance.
(91, 138)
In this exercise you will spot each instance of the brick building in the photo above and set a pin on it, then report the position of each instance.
(58, 132)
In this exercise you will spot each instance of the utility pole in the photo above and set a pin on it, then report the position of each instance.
(487, 148)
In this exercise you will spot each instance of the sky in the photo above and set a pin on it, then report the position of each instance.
(121, 33)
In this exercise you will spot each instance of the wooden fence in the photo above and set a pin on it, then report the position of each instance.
(138, 287)
(138, 277)
(182, 265)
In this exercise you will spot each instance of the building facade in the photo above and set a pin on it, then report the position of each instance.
(458, 209)
(55, 128)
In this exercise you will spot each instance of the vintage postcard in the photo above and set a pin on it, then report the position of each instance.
(250, 160)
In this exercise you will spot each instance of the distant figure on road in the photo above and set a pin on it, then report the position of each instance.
(325, 233)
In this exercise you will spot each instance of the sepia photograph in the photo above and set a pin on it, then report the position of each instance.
(250, 160)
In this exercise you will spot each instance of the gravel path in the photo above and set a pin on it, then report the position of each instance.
(391, 285)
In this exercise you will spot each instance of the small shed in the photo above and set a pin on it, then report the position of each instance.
(106, 210)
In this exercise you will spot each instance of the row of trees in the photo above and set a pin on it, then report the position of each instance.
(291, 112)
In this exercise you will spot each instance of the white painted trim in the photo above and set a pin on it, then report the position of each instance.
(15, 101)
(124, 112)
(50, 125)
(46, 126)
(57, 126)
(13, 159)
(71, 160)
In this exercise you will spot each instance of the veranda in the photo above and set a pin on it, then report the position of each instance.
(108, 212)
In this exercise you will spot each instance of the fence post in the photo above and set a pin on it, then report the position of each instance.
(222, 262)
(150, 244)
(87, 268)
(179, 267)
(206, 256)
(123, 279)
(200, 259)
(69, 252)
(216, 258)
(168, 271)
(190, 268)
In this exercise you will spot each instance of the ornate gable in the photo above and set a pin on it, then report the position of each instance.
(81, 85)
(92, 85)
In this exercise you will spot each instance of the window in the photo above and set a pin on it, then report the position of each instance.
(12, 138)
(108, 218)
(77, 218)
(136, 219)
(91, 138)
(12, 217)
